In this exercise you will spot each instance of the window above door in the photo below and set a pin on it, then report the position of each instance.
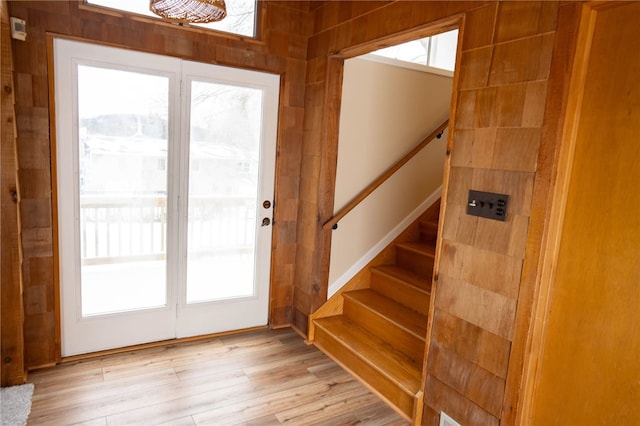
(436, 54)
(240, 20)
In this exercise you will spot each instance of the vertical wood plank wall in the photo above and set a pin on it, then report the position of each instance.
(282, 50)
(558, 89)
(11, 324)
(474, 368)
(500, 108)
(588, 358)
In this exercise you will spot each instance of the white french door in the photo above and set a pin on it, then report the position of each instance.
(165, 172)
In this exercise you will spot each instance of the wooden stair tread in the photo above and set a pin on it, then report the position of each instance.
(419, 247)
(407, 319)
(373, 351)
(405, 275)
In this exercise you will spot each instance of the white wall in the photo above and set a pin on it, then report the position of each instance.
(386, 110)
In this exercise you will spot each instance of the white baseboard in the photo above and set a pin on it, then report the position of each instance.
(384, 242)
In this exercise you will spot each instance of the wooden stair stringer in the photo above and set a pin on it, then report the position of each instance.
(362, 279)
(376, 325)
(358, 352)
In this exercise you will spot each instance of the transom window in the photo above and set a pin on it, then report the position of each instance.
(241, 14)
(438, 52)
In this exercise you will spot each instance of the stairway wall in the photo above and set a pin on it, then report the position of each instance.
(386, 111)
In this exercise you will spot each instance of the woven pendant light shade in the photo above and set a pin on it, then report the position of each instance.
(190, 11)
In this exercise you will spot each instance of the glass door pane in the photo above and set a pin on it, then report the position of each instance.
(224, 154)
(122, 157)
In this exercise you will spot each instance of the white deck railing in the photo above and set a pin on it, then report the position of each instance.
(134, 228)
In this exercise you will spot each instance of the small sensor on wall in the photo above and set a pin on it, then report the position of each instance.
(18, 28)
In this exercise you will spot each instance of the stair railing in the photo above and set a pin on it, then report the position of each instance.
(333, 222)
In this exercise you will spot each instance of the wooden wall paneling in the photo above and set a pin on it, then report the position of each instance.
(328, 165)
(516, 148)
(477, 384)
(281, 49)
(444, 398)
(486, 269)
(483, 308)
(309, 293)
(522, 60)
(474, 148)
(524, 356)
(522, 19)
(474, 34)
(481, 347)
(474, 68)
(12, 371)
(34, 160)
(498, 153)
(608, 300)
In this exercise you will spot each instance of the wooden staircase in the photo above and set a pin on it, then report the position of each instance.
(380, 334)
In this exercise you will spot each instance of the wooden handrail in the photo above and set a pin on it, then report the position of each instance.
(383, 177)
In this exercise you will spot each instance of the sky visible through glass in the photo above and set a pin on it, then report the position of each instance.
(240, 14)
(438, 51)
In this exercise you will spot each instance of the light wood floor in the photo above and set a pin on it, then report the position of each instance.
(266, 377)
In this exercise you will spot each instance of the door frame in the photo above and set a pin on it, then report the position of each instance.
(330, 136)
(196, 71)
(556, 198)
(331, 119)
(57, 356)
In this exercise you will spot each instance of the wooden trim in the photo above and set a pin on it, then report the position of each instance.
(384, 176)
(157, 344)
(334, 305)
(327, 180)
(257, 39)
(418, 408)
(425, 30)
(57, 310)
(300, 332)
(461, 21)
(552, 234)
(263, 68)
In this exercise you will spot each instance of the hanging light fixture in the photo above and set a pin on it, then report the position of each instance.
(190, 11)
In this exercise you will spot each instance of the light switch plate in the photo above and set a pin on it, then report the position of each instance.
(488, 204)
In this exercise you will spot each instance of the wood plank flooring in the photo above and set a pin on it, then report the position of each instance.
(265, 377)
